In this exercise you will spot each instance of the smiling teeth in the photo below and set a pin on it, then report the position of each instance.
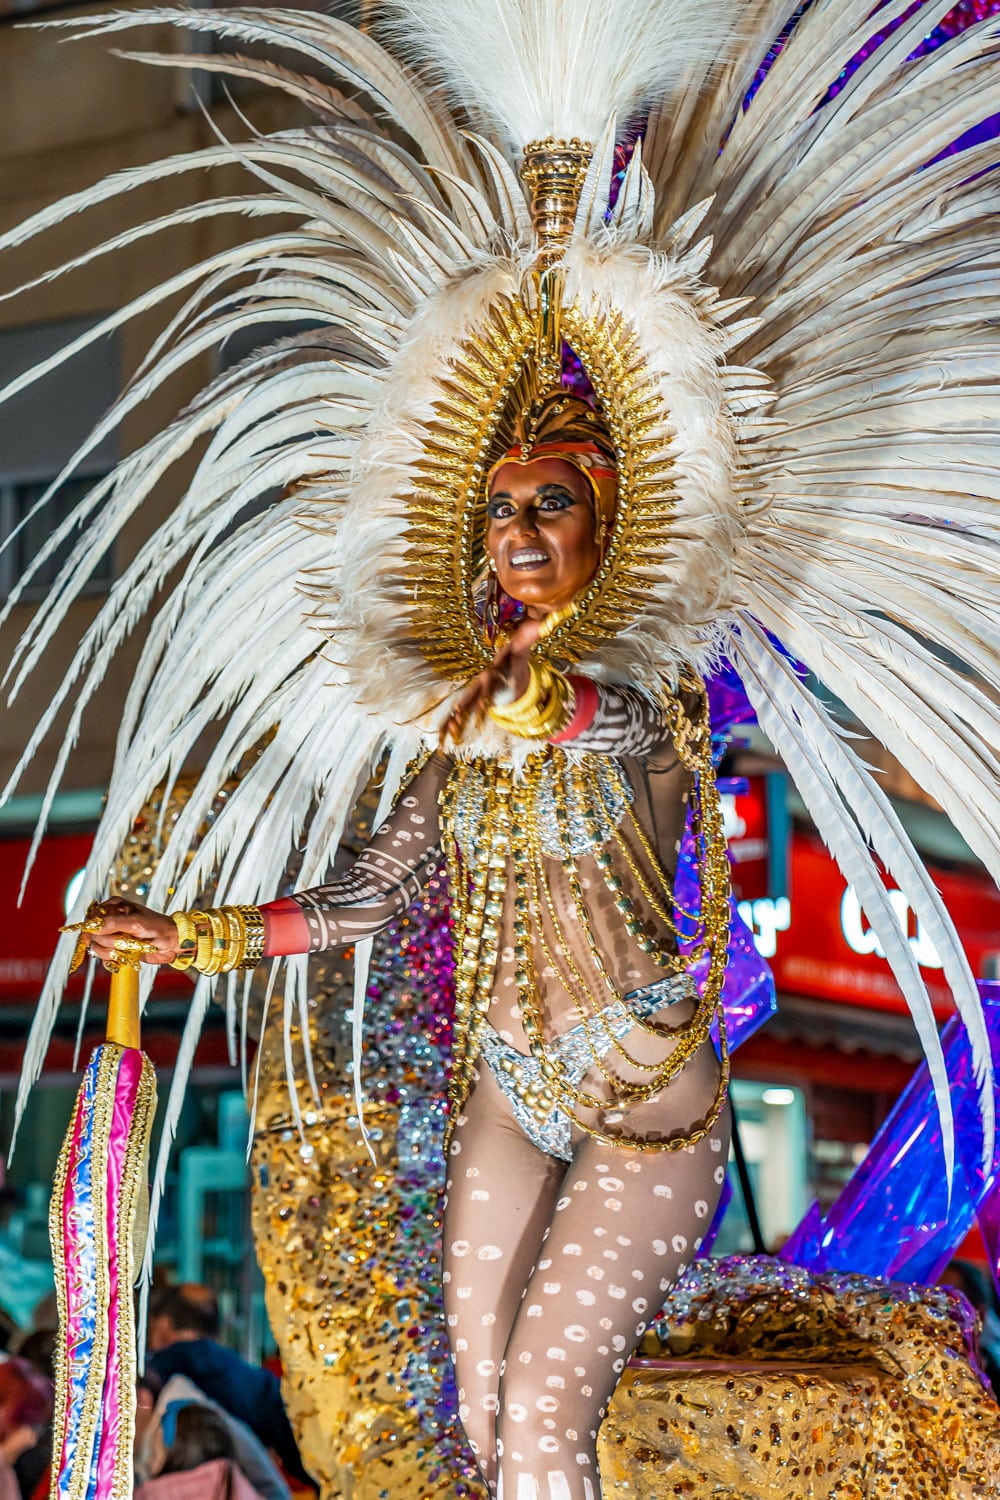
(523, 557)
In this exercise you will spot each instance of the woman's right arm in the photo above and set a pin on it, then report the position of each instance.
(385, 878)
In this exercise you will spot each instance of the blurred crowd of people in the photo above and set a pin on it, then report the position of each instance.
(209, 1425)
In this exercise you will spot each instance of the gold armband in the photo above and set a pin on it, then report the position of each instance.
(220, 939)
(543, 709)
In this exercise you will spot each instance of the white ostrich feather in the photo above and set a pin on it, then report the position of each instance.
(529, 69)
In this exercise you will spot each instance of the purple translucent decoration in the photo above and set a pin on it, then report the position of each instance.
(748, 990)
(894, 1218)
(989, 1224)
(728, 703)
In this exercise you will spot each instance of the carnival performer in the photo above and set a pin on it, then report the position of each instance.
(589, 1140)
(530, 456)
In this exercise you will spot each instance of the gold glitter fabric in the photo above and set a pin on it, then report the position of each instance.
(350, 1249)
(760, 1380)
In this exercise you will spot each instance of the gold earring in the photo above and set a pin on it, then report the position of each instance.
(491, 565)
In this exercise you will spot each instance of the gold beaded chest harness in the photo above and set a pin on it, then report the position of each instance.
(499, 825)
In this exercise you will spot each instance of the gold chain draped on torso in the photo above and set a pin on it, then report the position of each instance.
(498, 825)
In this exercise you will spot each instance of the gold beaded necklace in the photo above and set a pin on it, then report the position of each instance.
(505, 840)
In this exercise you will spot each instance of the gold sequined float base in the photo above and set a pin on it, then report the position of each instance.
(763, 1383)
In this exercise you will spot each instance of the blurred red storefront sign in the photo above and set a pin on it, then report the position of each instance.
(28, 933)
(818, 941)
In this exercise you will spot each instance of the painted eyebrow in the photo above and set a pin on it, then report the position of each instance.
(544, 492)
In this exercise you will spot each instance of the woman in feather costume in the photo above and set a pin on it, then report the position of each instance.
(416, 429)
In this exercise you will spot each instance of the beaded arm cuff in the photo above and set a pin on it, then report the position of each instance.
(220, 939)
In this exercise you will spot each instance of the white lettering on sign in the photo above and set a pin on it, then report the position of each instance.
(765, 919)
(863, 939)
(733, 826)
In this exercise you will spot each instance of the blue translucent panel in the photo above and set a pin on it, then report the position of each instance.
(894, 1217)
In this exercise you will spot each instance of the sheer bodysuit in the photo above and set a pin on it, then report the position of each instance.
(557, 1247)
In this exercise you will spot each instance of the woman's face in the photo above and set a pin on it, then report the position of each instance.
(541, 532)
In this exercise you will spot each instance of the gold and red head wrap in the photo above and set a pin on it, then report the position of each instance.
(560, 424)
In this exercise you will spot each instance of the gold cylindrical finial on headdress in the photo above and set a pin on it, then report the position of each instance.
(554, 172)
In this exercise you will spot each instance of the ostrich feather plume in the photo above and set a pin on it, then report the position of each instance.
(527, 69)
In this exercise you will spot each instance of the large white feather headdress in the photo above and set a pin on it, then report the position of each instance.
(842, 502)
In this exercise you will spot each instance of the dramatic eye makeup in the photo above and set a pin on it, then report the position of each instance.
(501, 503)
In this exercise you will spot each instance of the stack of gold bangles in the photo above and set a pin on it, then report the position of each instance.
(220, 939)
(544, 708)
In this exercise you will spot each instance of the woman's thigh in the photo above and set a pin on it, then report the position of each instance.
(501, 1191)
(626, 1224)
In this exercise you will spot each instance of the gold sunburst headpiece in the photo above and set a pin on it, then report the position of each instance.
(504, 398)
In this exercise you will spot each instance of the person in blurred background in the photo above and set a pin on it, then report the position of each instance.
(25, 1411)
(184, 1327)
(200, 1461)
(37, 1348)
(157, 1406)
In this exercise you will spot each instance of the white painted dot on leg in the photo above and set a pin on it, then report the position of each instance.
(452, 1319)
(572, 1250)
(618, 1367)
(618, 1342)
(551, 1287)
(618, 1292)
(535, 1310)
(576, 1333)
(461, 1345)
(546, 1403)
(556, 1382)
(446, 1277)
(586, 1299)
(623, 1239)
(479, 1195)
(679, 1243)
(613, 1205)
(661, 1190)
(610, 1184)
(605, 1323)
(460, 1247)
(515, 1412)
(555, 1353)
(659, 1247)
(700, 1209)
(463, 1291)
(488, 1319)
(720, 1175)
(639, 1305)
(543, 1265)
(486, 1367)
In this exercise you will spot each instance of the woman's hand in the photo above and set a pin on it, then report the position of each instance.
(508, 669)
(127, 923)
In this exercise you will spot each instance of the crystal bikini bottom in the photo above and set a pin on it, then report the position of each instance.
(519, 1078)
